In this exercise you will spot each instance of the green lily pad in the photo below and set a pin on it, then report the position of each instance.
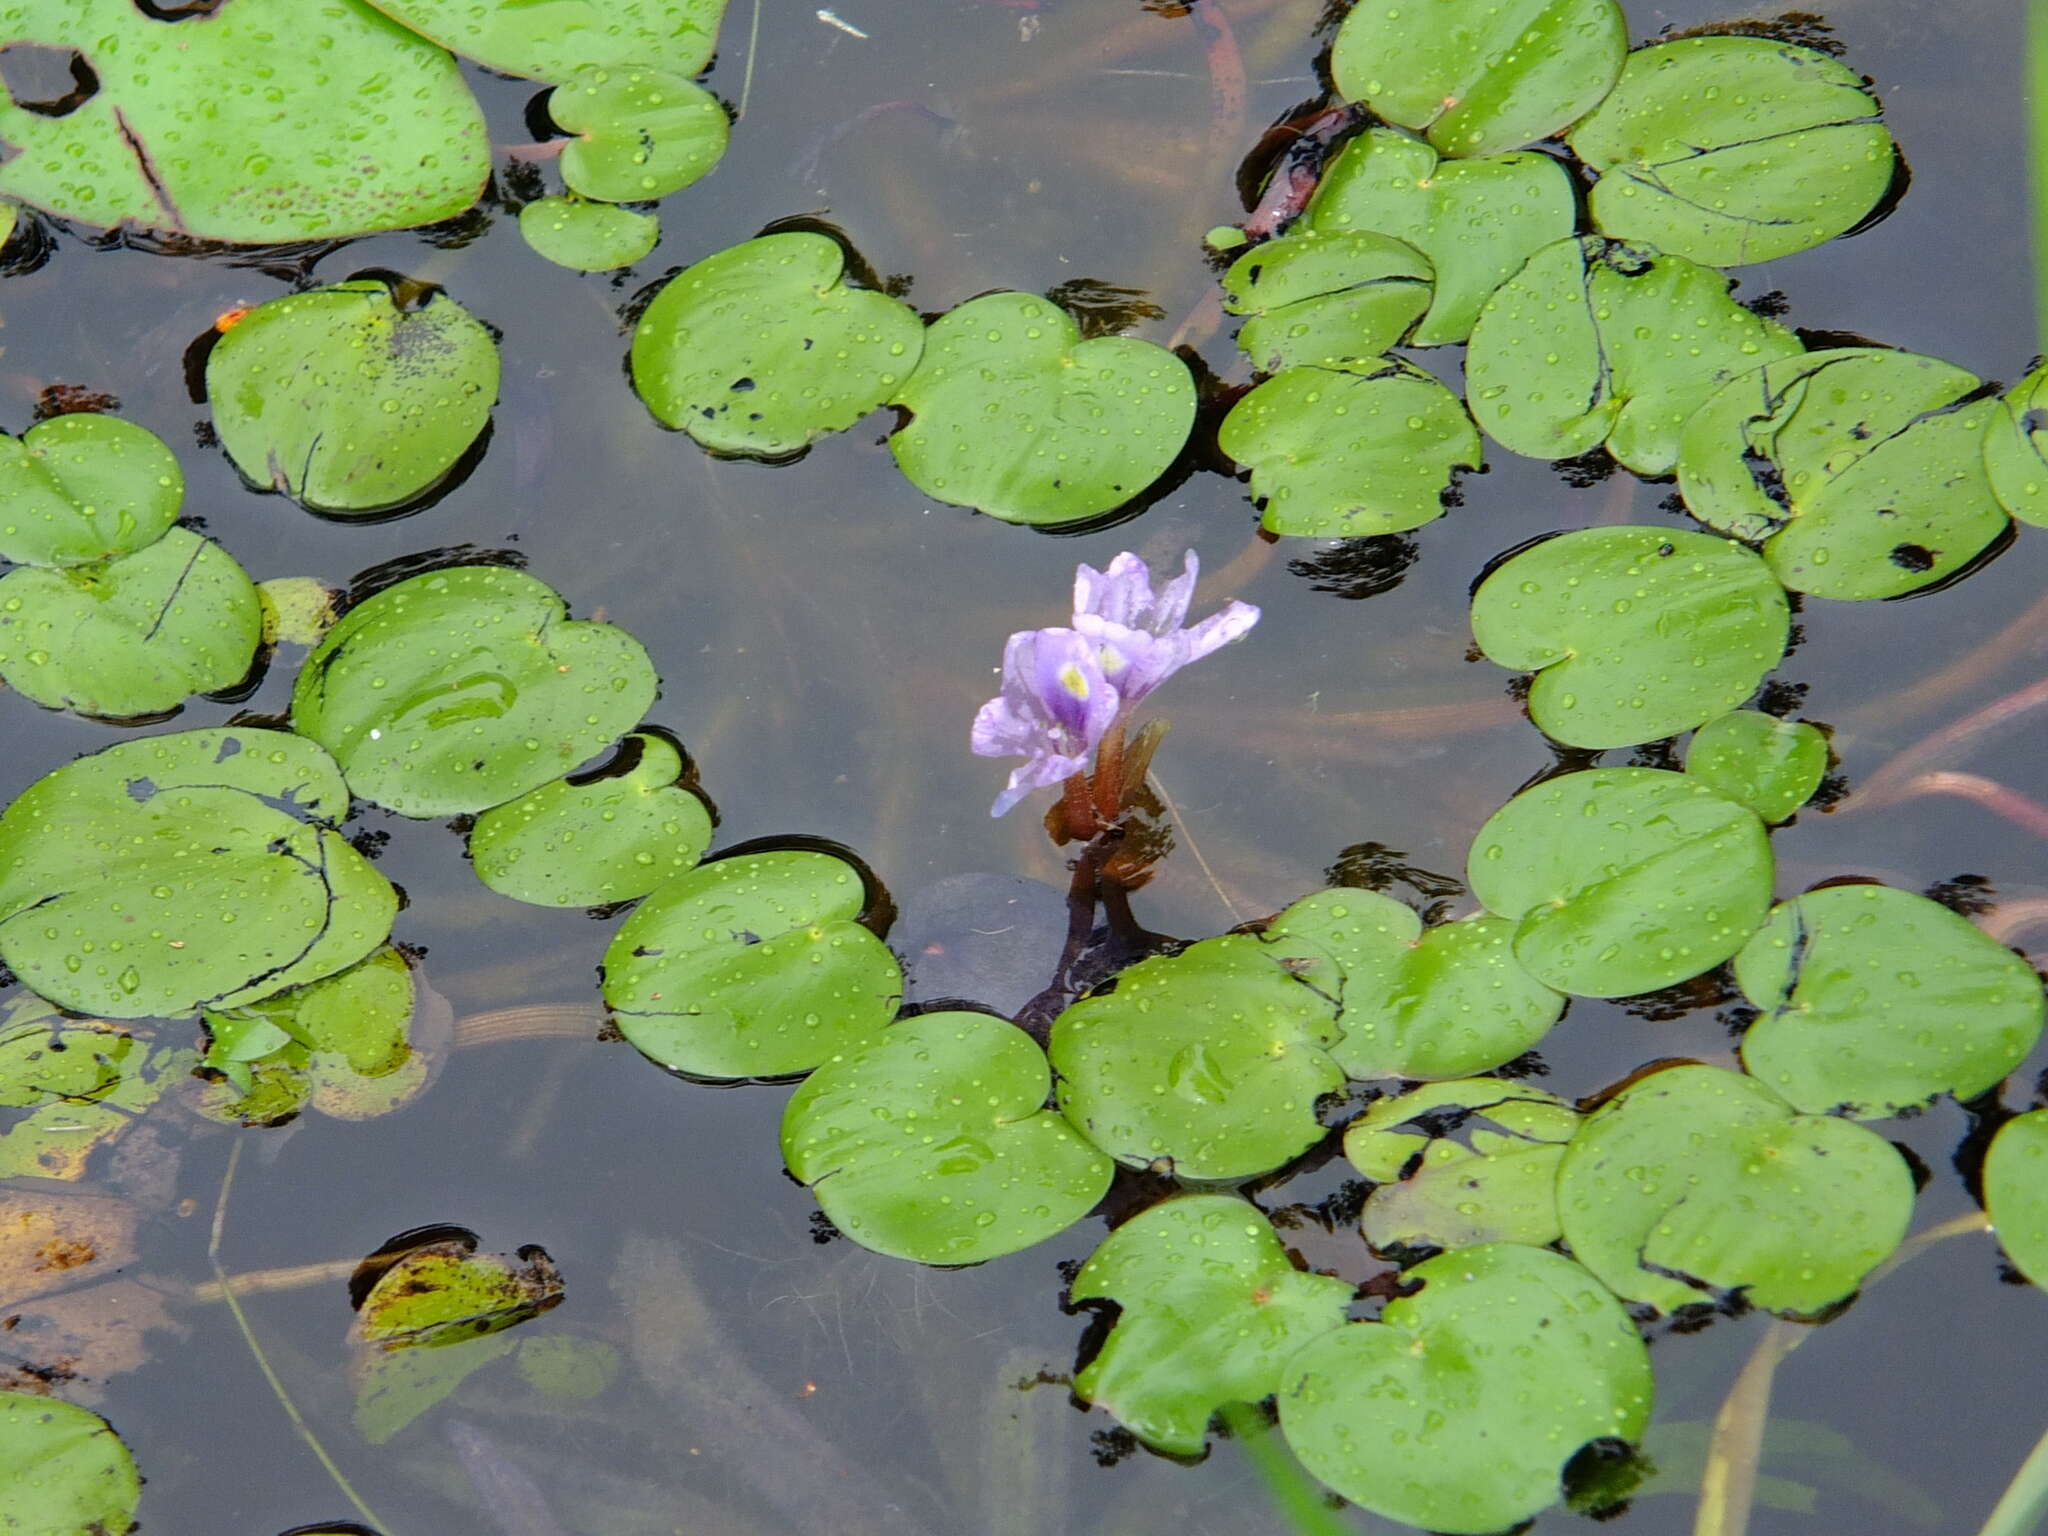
(1875, 1000)
(135, 636)
(66, 1471)
(1597, 342)
(199, 869)
(1350, 452)
(762, 349)
(1696, 1181)
(1633, 633)
(1475, 220)
(82, 1082)
(640, 133)
(297, 610)
(1459, 1408)
(555, 39)
(585, 236)
(2013, 456)
(609, 835)
(346, 402)
(1623, 880)
(1013, 414)
(447, 1293)
(322, 120)
(1330, 299)
(2016, 1192)
(1772, 766)
(1859, 470)
(1480, 75)
(1734, 149)
(1442, 1002)
(1212, 1310)
(1473, 1161)
(464, 688)
(1210, 1061)
(752, 966)
(82, 488)
(356, 1018)
(932, 1142)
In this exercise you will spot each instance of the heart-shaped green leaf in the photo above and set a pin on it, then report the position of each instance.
(2016, 1192)
(1459, 1408)
(1473, 1161)
(1633, 633)
(1013, 414)
(464, 688)
(752, 966)
(1480, 75)
(1734, 149)
(932, 1142)
(1212, 1310)
(1227, 1090)
(1772, 766)
(609, 835)
(321, 119)
(1623, 880)
(640, 133)
(1330, 299)
(1696, 1181)
(66, 1471)
(554, 39)
(193, 870)
(1596, 342)
(1350, 452)
(586, 236)
(83, 488)
(762, 349)
(1475, 220)
(346, 402)
(2013, 456)
(1875, 1000)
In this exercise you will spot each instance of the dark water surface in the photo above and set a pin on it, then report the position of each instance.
(824, 635)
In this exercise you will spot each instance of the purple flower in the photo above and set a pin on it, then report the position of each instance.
(1138, 633)
(1053, 710)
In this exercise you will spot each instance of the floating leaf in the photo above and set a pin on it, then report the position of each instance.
(932, 1142)
(59, 1239)
(463, 688)
(135, 636)
(1875, 1000)
(1597, 342)
(1209, 1061)
(1458, 1410)
(1350, 452)
(1633, 633)
(2013, 456)
(81, 488)
(447, 1293)
(762, 349)
(66, 1471)
(1623, 880)
(1459, 1163)
(609, 835)
(1013, 414)
(1696, 1181)
(1442, 1002)
(555, 39)
(322, 120)
(347, 402)
(158, 876)
(82, 1083)
(1331, 299)
(1212, 1310)
(1772, 766)
(1475, 220)
(640, 133)
(1734, 149)
(1480, 75)
(585, 236)
(335, 1035)
(2016, 1192)
(752, 966)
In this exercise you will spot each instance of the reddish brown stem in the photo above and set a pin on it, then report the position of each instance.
(1079, 807)
(1109, 771)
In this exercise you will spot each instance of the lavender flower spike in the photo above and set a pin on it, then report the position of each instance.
(1138, 633)
(1053, 710)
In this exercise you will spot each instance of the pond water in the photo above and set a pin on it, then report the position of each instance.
(823, 635)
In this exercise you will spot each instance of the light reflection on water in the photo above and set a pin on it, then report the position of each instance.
(824, 635)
